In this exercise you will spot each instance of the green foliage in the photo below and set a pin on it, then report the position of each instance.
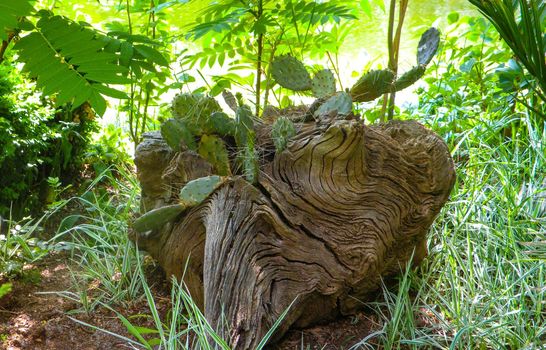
(10, 13)
(248, 35)
(71, 63)
(36, 143)
(467, 83)
(521, 24)
(74, 62)
(282, 131)
(19, 245)
(107, 150)
(5, 289)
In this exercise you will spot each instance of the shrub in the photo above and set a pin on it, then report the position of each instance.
(36, 142)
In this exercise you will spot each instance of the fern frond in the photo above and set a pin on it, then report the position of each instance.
(10, 12)
(69, 60)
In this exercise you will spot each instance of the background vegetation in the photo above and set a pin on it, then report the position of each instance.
(68, 184)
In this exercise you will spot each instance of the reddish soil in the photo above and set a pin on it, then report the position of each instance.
(32, 320)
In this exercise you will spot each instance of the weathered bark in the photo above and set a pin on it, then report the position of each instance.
(344, 206)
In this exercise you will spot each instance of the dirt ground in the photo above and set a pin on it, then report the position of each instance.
(33, 317)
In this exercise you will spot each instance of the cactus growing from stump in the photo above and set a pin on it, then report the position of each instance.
(291, 74)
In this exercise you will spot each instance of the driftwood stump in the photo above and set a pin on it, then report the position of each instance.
(344, 206)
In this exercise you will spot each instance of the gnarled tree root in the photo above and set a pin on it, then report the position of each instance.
(344, 206)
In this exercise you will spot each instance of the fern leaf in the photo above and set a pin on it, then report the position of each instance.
(69, 60)
(10, 12)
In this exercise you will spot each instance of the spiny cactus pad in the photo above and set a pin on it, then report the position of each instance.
(250, 161)
(341, 103)
(324, 83)
(156, 218)
(221, 124)
(175, 131)
(213, 149)
(184, 105)
(196, 191)
(282, 131)
(230, 100)
(409, 78)
(195, 110)
(428, 45)
(372, 85)
(244, 125)
(290, 73)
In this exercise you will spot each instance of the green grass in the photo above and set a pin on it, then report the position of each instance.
(483, 285)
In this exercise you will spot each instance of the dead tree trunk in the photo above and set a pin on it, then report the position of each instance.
(344, 206)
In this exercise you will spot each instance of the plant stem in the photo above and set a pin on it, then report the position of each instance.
(259, 58)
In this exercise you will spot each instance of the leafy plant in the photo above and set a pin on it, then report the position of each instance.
(287, 26)
(521, 24)
(76, 63)
(36, 142)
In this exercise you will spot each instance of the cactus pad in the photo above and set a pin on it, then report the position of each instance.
(184, 105)
(196, 191)
(156, 218)
(230, 100)
(428, 45)
(324, 83)
(221, 124)
(250, 161)
(194, 110)
(372, 85)
(244, 125)
(341, 103)
(282, 131)
(213, 149)
(175, 131)
(290, 73)
(409, 78)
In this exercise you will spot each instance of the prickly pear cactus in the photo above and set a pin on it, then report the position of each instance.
(176, 132)
(409, 78)
(221, 124)
(372, 85)
(428, 45)
(324, 83)
(341, 103)
(244, 124)
(290, 73)
(213, 149)
(196, 191)
(184, 105)
(158, 217)
(282, 131)
(230, 100)
(195, 110)
(251, 166)
(206, 106)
